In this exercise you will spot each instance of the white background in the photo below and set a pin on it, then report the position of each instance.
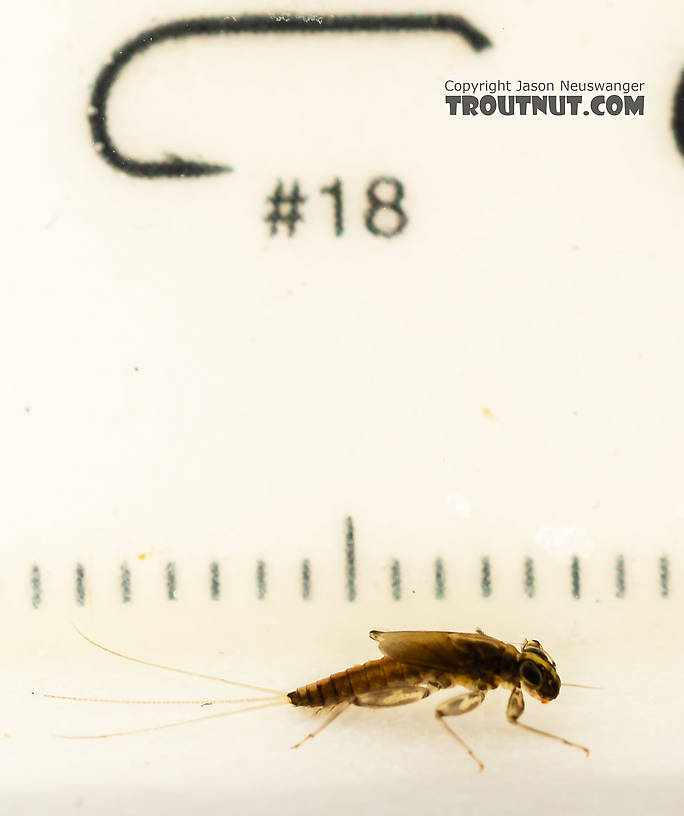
(503, 378)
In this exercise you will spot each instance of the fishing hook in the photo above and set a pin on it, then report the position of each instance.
(177, 167)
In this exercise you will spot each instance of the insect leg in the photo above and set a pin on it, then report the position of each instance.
(514, 710)
(334, 714)
(460, 705)
(378, 698)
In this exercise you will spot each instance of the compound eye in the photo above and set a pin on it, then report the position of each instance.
(530, 673)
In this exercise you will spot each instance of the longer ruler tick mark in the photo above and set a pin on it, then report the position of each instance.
(171, 581)
(125, 577)
(620, 576)
(214, 581)
(350, 560)
(440, 579)
(529, 578)
(306, 579)
(261, 580)
(36, 587)
(575, 577)
(80, 584)
(485, 577)
(395, 579)
(664, 576)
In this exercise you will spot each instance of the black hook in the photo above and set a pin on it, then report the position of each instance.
(177, 167)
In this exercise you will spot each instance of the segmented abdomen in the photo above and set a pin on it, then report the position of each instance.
(375, 674)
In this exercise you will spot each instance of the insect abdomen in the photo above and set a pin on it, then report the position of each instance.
(373, 675)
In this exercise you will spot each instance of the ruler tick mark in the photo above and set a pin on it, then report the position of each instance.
(214, 581)
(620, 576)
(664, 576)
(80, 584)
(440, 579)
(171, 581)
(350, 560)
(395, 579)
(306, 579)
(529, 578)
(36, 587)
(575, 577)
(125, 576)
(261, 580)
(486, 577)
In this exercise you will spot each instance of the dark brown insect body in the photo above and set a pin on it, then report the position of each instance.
(373, 675)
(481, 663)
(413, 666)
(416, 664)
